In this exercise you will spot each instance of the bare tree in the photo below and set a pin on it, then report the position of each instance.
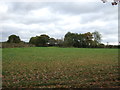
(115, 2)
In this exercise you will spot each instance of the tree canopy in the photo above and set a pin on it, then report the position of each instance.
(41, 40)
(79, 40)
(82, 40)
(70, 40)
(14, 39)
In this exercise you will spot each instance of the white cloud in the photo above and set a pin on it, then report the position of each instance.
(56, 19)
(3, 8)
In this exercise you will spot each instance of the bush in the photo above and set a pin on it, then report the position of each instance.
(13, 45)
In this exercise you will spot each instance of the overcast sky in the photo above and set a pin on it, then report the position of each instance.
(28, 19)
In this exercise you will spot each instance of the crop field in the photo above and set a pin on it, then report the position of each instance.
(53, 67)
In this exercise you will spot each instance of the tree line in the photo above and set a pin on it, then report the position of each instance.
(79, 40)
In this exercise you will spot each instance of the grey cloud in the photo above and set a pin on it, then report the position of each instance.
(95, 11)
(75, 8)
(110, 40)
(59, 7)
(24, 7)
(103, 15)
(19, 13)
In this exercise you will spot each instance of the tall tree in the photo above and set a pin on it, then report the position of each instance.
(78, 40)
(33, 40)
(69, 39)
(52, 42)
(96, 37)
(14, 39)
(60, 42)
(41, 40)
(87, 38)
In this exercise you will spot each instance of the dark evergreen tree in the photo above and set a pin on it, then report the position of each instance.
(14, 39)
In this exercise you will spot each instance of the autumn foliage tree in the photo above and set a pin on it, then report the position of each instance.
(80, 40)
(85, 40)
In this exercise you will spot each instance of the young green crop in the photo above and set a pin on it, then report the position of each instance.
(52, 67)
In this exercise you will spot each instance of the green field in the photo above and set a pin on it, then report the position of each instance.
(52, 67)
